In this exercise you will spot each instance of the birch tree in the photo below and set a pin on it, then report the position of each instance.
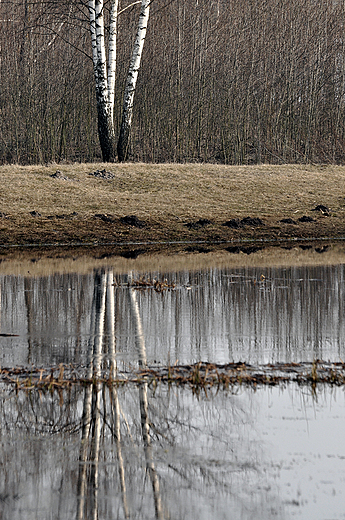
(127, 112)
(104, 74)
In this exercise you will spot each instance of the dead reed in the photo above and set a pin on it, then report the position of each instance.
(198, 376)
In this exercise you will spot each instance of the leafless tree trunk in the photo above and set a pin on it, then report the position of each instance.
(122, 145)
(104, 77)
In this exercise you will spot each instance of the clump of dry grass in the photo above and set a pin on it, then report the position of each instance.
(198, 376)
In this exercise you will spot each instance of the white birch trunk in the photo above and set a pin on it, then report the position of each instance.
(122, 146)
(112, 55)
(101, 61)
(104, 108)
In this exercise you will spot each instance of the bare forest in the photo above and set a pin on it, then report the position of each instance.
(221, 81)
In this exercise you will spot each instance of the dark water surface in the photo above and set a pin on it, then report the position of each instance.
(143, 452)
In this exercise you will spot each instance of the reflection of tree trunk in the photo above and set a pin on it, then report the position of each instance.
(139, 334)
(110, 314)
(91, 411)
(99, 325)
(100, 281)
(102, 307)
(83, 452)
(145, 425)
(114, 395)
(29, 312)
(79, 313)
(96, 415)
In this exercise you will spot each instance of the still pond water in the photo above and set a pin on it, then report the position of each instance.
(142, 452)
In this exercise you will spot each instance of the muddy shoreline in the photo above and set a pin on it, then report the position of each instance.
(72, 230)
(114, 237)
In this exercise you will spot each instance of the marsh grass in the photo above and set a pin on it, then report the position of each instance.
(198, 376)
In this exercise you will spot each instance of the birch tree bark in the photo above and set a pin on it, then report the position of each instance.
(104, 76)
(127, 112)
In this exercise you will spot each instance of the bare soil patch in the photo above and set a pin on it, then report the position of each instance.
(164, 203)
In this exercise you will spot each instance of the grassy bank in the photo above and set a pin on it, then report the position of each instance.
(170, 202)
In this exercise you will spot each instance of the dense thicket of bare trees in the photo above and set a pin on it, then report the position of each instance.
(221, 80)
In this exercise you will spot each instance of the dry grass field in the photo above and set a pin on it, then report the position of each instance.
(169, 202)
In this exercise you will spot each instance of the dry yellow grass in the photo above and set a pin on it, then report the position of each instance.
(186, 191)
(167, 196)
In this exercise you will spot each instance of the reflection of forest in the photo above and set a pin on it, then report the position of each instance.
(206, 454)
(133, 451)
(291, 314)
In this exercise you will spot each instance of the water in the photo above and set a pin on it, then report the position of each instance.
(217, 315)
(267, 454)
(141, 452)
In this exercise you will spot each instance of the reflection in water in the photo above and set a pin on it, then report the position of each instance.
(107, 452)
(92, 404)
(88, 480)
(218, 315)
(264, 454)
(145, 423)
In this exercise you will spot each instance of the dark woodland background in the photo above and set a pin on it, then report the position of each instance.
(226, 81)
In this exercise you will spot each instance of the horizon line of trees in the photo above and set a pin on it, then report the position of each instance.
(222, 81)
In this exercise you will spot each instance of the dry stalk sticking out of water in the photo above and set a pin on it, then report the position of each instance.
(157, 285)
(198, 376)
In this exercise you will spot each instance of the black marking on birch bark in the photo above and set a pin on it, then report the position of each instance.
(122, 145)
(106, 134)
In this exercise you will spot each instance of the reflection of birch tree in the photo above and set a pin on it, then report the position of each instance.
(102, 321)
(91, 410)
(102, 313)
(212, 452)
(145, 424)
(114, 394)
